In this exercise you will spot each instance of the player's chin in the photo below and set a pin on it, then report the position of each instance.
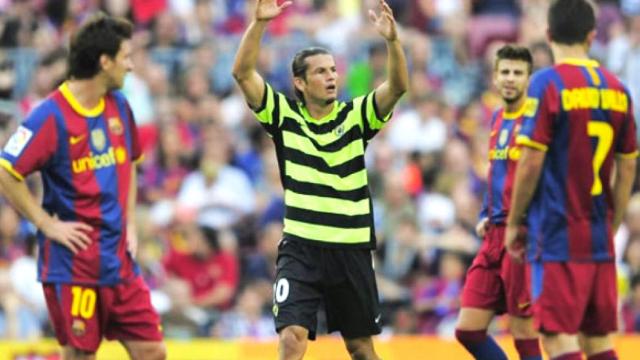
(510, 98)
(330, 100)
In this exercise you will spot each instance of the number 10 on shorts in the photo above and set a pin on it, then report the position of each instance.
(84, 302)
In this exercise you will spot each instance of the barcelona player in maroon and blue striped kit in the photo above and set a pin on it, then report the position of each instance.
(578, 124)
(83, 140)
(496, 284)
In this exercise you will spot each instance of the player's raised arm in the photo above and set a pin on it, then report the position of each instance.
(244, 66)
(390, 91)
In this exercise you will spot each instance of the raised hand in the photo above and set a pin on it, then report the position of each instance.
(73, 235)
(269, 9)
(384, 22)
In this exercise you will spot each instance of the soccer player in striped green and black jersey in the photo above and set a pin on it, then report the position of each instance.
(325, 255)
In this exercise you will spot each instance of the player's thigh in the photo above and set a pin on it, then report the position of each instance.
(71, 353)
(297, 291)
(592, 345)
(560, 293)
(517, 288)
(601, 318)
(351, 302)
(472, 319)
(145, 350)
(522, 327)
(130, 312)
(484, 286)
(556, 344)
(75, 314)
(361, 348)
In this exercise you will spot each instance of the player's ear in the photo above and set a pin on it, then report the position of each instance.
(105, 62)
(299, 83)
(591, 36)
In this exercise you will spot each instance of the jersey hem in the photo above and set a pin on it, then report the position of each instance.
(632, 155)
(371, 245)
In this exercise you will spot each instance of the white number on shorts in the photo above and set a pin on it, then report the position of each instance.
(281, 290)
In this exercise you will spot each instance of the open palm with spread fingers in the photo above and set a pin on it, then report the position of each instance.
(268, 9)
(73, 235)
(384, 22)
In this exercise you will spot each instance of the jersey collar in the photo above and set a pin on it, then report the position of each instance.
(580, 62)
(514, 115)
(75, 104)
(330, 116)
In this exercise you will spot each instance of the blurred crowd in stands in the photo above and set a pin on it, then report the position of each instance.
(210, 201)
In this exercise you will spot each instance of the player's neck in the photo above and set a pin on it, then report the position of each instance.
(318, 111)
(514, 106)
(564, 52)
(87, 92)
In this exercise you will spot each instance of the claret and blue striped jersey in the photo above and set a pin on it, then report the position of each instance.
(503, 158)
(582, 117)
(322, 168)
(85, 157)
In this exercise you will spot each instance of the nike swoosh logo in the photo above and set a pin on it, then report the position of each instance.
(523, 305)
(75, 139)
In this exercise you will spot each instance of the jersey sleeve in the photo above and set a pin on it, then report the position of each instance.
(371, 121)
(32, 145)
(539, 114)
(268, 114)
(627, 146)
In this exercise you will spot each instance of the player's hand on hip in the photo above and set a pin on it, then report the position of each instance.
(132, 242)
(514, 242)
(74, 235)
(384, 22)
(269, 9)
(481, 228)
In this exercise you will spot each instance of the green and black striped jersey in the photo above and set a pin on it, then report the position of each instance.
(322, 168)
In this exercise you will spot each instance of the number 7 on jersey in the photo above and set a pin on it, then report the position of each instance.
(603, 132)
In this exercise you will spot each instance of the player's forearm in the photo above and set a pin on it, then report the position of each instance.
(397, 68)
(525, 184)
(20, 197)
(132, 196)
(247, 55)
(625, 175)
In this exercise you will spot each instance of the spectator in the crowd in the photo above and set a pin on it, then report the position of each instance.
(248, 318)
(220, 193)
(437, 300)
(211, 273)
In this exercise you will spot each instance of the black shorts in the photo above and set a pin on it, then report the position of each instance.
(343, 278)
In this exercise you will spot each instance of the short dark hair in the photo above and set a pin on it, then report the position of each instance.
(514, 52)
(570, 21)
(299, 65)
(100, 35)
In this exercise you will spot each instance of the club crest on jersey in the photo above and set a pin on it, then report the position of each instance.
(98, 139)
(504, 136)
(115, 125)
(339, 131)
(78, 327)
